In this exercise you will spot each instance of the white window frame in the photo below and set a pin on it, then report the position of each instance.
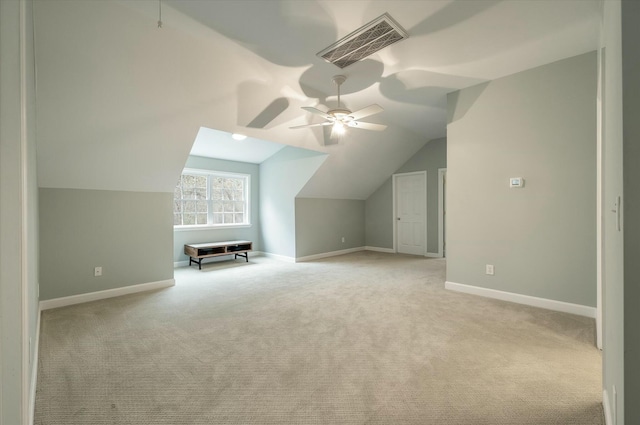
(209, 226)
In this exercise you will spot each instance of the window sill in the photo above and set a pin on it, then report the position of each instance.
(205, 227)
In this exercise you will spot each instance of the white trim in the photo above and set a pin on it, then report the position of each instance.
(108, 293)
(34, 372)
(378, 249)
(607, 408)
(203, 227)
(433, 255)
(395, 206)
(599, 201)
(580, 310)
(278, 257)
(442, 172)
(329, 254)
(24, 231)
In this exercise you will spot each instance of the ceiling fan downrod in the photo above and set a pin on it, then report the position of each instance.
(338, 80)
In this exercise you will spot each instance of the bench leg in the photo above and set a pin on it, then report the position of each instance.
(246, 256)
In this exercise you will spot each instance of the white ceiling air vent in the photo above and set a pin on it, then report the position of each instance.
(374, 36)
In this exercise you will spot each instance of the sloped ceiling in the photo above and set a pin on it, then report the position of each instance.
(120, 101)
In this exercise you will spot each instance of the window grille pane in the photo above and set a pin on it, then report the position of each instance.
(227, 195)
(238, 218)
(227, 206)
(201, 193)
(201, 181)
(177, 206)
(189, 206)
(228, 218)
(228, 183)
(188, 219)
(188, 193)
(177, 192)
(217, 218)
(202, 218)
(177, 219)
(217, 207)
(238, 207)
(217, 183)
(188, 180)
(202, 206)
(217, 194)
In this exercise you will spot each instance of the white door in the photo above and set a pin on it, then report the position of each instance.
(411, 213)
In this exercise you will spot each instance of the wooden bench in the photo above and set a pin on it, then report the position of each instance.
(198, 251)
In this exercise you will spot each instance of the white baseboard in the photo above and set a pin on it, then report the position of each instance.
(177, 264)
(378, 249)
(278, 257)
(328, 254)
(34, 372)
(580, 310)
(433, 255)
(108, 293)
(608, 419)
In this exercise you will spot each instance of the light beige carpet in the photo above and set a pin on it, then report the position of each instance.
(365, 338)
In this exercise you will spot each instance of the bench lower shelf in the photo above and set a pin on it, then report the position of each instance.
(197, 252)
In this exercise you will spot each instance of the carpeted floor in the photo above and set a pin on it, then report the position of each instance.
(362, 339)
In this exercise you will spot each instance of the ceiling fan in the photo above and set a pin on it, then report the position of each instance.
(341, 118)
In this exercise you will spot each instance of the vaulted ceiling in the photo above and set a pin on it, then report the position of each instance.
(120, 101)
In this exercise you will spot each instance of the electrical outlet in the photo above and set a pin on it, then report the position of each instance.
(343, 239)
(97, 271)
(489, 269)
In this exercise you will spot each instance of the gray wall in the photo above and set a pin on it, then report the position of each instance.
(252, 233)
(379, 206)
(322, 223)
(18, 214)
(631, 131)
(378, 216)
(281, 178)
(539, 124)
(129, 234)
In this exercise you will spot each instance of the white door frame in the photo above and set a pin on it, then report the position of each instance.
(395, 208)
(441, 211)
(599, 199)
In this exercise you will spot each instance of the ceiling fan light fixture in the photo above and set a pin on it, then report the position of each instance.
(238, 136)
(338, 127)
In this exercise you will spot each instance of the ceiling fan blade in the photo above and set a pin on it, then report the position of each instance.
(365, 112)
(311, 125)
(367, 126)
(316, 111)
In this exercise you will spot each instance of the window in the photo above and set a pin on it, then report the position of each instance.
(209, 198)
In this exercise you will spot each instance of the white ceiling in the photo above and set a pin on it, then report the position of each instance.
(122, 101)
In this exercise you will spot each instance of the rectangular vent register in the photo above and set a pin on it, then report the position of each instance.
(372, 37)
